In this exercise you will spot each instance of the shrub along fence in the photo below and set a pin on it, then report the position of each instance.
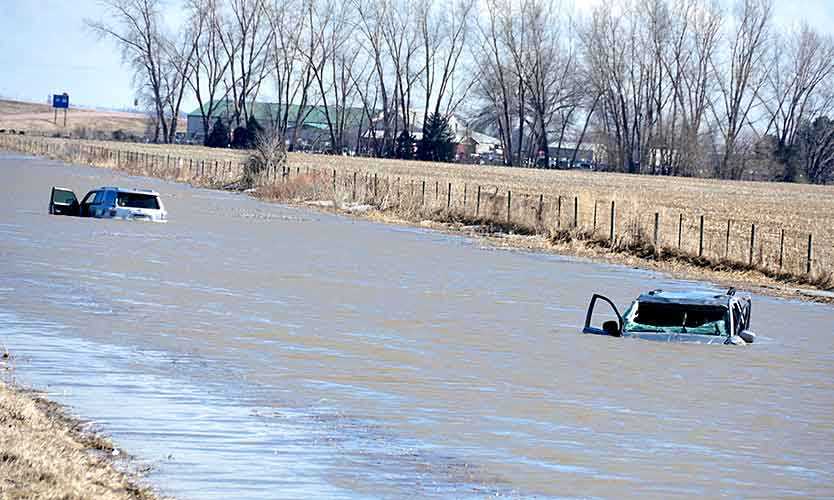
(619, 223)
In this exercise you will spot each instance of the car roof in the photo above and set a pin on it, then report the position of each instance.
(131, 191)
(689, 298)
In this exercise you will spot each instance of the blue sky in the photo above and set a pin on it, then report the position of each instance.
(45, 48)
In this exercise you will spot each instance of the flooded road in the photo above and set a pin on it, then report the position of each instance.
(259, 351)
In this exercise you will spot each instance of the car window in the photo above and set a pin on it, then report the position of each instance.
(109, 198)
(64, 197)
(137, 200)
(677, 318)
(89, 198)
(99, 197)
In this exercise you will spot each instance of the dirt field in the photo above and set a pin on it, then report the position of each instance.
(761, 225)
(43, 454)
(39, 118)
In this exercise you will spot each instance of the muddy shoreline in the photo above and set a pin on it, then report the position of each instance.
(45, 452)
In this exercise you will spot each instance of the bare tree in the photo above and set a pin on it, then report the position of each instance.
(160, 67)
(270, 155)
(496, 82)
(624, 72)
(371, 27)
(814, 150)
(330, 59)
(402, 41)
(549, 66)
(804, 62)
(292, 71)
(742, 81)
(210, 61)
(245, 36)
(444, 27)
(692, 41)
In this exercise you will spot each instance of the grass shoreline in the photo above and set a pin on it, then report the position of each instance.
(47, 453)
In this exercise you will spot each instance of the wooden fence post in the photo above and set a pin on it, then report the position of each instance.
(540, 209)
(478, 203)
(423, 195)
(656, 228)
(436, 190)
(680, 230)
(509, 204)
(727, 242)
(449, 197)
(464, 199)
(752, 242)
(334, 181)
(810, 253)
(613, 222)
(353, 195)
(575, 211)
(594, 227)
(701, 238)
(375, 185)
(559, 212)
(781, 249)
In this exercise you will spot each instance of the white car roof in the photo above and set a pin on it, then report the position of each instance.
(132, 191)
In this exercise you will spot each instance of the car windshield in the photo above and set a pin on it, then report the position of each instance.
(137, 200)
(676, 318)
(64, 197)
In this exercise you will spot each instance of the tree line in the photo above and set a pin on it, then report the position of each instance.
(677, 87)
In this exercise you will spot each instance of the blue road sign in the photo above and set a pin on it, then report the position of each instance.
(60, 101)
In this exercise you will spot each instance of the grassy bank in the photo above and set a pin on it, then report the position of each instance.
(41, 119)
(44, 454)
(777, 236)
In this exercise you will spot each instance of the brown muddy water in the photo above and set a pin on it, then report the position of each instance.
(251, 350)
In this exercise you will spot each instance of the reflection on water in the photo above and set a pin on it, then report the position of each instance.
(253, 350)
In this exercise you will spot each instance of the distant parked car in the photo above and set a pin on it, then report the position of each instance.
(694, 316)
(109, 203)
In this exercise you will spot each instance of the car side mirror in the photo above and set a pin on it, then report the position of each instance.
(747, 336)
(612, 328)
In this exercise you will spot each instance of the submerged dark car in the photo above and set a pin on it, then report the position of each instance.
(698, 316)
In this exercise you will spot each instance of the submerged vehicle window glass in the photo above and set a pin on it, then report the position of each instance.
(677, 318)
(65, 197)
(137, 200)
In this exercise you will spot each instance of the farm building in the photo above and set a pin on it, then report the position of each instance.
(587, 155)
(470, 145)
(475, 146)
(313, 133)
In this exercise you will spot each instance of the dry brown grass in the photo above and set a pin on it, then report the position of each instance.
(44, 455)
(540, 201)
(39, 119)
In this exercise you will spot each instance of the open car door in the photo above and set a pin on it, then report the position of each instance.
(610, 327)
(63, 201)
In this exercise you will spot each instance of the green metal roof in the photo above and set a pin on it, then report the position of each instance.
(265, 112)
